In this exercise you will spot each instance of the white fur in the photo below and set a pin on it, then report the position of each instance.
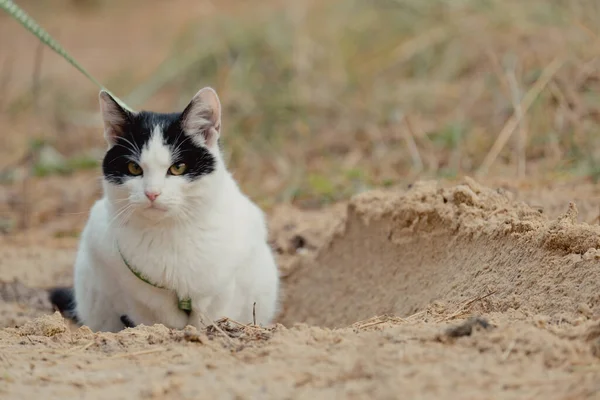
(208, 241)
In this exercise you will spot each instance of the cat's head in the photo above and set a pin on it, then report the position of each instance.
(162, 165)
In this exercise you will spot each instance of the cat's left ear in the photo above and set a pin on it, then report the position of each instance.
(202, 117)
(115, 118)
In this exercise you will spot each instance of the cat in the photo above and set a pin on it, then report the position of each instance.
(173, 240)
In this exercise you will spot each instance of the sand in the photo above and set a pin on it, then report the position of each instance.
(435, 291)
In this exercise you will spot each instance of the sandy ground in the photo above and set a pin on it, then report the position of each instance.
(438, 290)
(434, 291)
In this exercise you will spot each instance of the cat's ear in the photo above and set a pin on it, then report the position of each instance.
(202, 117)
(115, 118)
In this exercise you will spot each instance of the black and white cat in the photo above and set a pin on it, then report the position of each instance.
(174, 239)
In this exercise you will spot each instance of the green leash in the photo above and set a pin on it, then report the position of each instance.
(182, 304)
(29, 23)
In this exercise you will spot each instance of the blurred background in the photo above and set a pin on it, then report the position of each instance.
(321, 99)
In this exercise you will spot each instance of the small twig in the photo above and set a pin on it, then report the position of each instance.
(396, 118)
(84, 347)
(469, 302)
(509, 349)
(254, 313)
(217, 327)
(413, 46)
(236, 322)
(497, 69)
(416, 314)
(586, 367)
(517, 107)
(374, 323)
(513, 122)
(572, 110)
(24, 215)
(377, 320)
(425, 141)
(413, 149)
(462, 309)
(590, 32)
(138, 353)
(243, 325)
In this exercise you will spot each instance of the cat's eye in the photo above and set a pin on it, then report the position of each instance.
(177, 169)
(134, 169)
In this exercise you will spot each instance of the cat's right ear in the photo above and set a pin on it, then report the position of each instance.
(115, 118)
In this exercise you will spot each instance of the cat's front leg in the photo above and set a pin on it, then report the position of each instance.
(199, 317)
(206, 310)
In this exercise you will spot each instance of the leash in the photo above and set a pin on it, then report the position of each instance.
(183, 304)
(32, 26)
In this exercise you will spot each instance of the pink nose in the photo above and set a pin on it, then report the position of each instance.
(152, 195)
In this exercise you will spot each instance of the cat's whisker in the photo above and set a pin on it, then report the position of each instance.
(125, 217)
(134, 146)
(121, 219)
(75, 213)
(118, 214)
(126, 156)
(176, 151)
(184, 214)
(183, 217)
(127, 148)
(116, 201)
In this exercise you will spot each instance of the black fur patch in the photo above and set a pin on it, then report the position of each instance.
(138, 128)
(63, 299)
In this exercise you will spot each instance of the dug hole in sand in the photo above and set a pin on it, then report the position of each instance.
(397, 254)
(435, 292)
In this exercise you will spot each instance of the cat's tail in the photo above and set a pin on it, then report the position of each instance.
(63, 299)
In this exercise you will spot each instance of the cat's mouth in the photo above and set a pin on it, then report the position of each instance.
(156, 207)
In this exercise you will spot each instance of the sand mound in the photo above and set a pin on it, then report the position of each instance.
(399, 253)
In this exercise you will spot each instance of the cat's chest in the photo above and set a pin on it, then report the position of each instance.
(166, 253)
(164, 250)
(189, 259)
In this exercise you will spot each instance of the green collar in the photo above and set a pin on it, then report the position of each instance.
(183, 304)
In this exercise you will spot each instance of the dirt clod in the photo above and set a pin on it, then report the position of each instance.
(467, 327)
(47, 325)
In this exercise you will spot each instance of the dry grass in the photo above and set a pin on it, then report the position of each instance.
(375, 321)
(331, 86)
(326, 99)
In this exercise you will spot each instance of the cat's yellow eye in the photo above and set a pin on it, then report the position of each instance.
(134, 169)
(177, 169)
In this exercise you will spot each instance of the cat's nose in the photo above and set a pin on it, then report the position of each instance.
(152, 195)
